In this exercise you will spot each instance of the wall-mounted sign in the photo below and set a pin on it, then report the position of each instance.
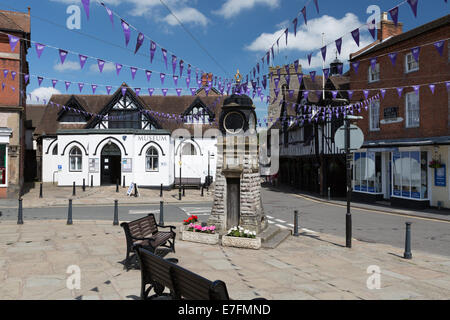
(59, 167)
(390, 113)
(127, 165)
(94, 165)
(440, 179)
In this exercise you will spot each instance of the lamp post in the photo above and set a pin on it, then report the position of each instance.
(348, 216)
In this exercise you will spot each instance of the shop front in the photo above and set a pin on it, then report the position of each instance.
(5, 134)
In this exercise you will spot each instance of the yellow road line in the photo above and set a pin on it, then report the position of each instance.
(373, 210)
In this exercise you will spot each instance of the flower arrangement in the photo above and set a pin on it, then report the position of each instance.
(198, 228)
(436, 164)
(191, 219)
(241, 233)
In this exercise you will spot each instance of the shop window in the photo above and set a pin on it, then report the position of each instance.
(410, 175)
(75, 159)
(367, 172)
(151, 159)
(3, 164)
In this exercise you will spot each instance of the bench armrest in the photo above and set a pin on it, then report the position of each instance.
(171, 227)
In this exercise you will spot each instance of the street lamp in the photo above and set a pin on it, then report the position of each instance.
(348, 216)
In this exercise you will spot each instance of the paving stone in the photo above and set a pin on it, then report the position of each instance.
(45, 281)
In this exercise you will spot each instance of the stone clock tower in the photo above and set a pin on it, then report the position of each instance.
(237, 195)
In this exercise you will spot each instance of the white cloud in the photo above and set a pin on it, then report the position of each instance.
(108, 67)
(187, 15)
(309, 39)
(67, 66)
(42, 93)
(232, 8)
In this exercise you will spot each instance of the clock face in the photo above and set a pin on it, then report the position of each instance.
(234, 122)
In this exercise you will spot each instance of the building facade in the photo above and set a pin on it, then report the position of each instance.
(404, 130)
(12, 103)
(124, 138)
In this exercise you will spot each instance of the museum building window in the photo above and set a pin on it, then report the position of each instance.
(75, 159)
(151, 159)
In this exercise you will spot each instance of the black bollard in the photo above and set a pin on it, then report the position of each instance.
(179, 194)
(161, 213)
(296, 223)
(20, 213)
(161, 191)
(116, 213)
(117, 185)
(123, 182)
(74, 191)
(84, 185)
(40, 191)
(202, 191)
(408, 254)
(69, 213)
(135, 190)
(92, 181)
(184, 193)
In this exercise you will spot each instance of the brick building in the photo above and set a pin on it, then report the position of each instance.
(404, 131)
(12, 103)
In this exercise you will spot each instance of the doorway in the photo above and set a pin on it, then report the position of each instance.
(110, 164)
(233, 202)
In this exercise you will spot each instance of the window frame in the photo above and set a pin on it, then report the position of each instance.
(372, 72)
(78, 160)
(152, 158)
(413, 61)
(407, 110)
(6, 166)
(371, 116)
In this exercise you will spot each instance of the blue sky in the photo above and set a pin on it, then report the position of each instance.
(237, 33)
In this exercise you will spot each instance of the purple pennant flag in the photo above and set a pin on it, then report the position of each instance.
(181, 67)
(318, 94)
(300, 78)
(40, 80)
(164, 91)
(193, 91)
(13, 74)
(207, 89)
(124, 90)
(39, 49)
(295, 22)
(26, 77)
(415, 52)
(355, 66)
(164, 53)
(355, 35)
(373, 63)
(188, 81)
(94, 87)
(139, 42)
(276, 81)
(288, 79)
(316, 2)
(126, 31)
(340, 68)
(291, 93)
(110, 14)
(313, 76)
(305, 95)
(448, 82)
(277, 91)
(86, 7)
(286, 32)
(148, 73)
(133, 72)
(366, 93)
(393, 57)
(309, 59)
(394, 15)
(101, 64)
(257, 68)
(350, 94)
(189, 70)
(324, 52)
(268, 57)
(413, 5)
(137, 91)
(439, 47)
(416, 89)
(432, 87)
(118, 68)
(83, 60)
(383, 92)
(286, 67)
(150, 91)
(174, 63)
(5, 73)
(175, 80)
(278, 73)
(67, 84)
(326, 73)
(296, 64)
(273, 53)
(62, 55)
(304, 15)
(264, 82)
(108, 89)
(399, 91)
(339, 45)
(80, 86)
(178, 90)
(259, 91)
(13, 42)
(54, 82)
(152, 50)
(372, 28)
(162, 76)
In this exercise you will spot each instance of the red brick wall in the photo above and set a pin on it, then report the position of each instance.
(434, 113)
(7, 96)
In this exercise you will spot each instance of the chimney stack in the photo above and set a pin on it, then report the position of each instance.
(387, 28)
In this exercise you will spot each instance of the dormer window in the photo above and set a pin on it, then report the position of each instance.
(198, 115)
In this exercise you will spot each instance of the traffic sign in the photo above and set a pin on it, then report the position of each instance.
(356, 138)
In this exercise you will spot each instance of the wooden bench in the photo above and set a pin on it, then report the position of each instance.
(188, 182)
(159, 273)
(144, 232)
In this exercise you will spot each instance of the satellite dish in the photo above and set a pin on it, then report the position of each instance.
(356, 138)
